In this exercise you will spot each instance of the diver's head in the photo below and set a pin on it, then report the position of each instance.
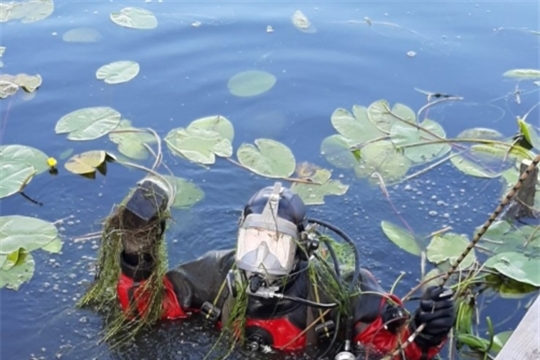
(270, 229)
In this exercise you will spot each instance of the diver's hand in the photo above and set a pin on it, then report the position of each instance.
(436, 310)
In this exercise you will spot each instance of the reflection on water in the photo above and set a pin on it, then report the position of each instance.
(358, 55)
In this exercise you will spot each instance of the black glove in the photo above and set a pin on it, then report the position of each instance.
(437, 312)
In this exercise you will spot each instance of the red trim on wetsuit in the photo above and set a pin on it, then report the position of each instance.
(129, 291)
(283, 333)
(382, 340)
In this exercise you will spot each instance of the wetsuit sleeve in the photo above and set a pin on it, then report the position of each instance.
(186, 287)
(379, 319)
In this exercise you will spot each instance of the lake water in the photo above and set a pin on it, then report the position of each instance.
(461, 48)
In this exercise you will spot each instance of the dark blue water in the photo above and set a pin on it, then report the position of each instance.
(462, 48)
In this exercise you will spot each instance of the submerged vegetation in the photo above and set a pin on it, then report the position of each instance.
(379, 143)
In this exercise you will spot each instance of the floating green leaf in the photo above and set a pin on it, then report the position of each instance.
(336, 150)
(20, 273)
(449, 247)
(508, 288)
(401, 237)
(251, 83)
(24, 154)
(381, 157)
(403, 134)
(523, 74)
(379, 115)
(313, 194)
(24, 232)
(135, 18)
(187, 193)
(355, 127)
(302, 23)
(118, 72)
(86, 163)
(26, 11)
(269, 158)
(54, 246)
(7, 261)
(500, 339)
(82, 35)
(217, 123)
(14, 176)
(88, 123)
(470, 168)
(503, 237)
(198, 145)
(10, 84)
(131, 140)
(501, 152)
(516, 266)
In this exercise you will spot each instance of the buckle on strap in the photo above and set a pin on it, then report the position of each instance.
(210, 311)
(326, 329)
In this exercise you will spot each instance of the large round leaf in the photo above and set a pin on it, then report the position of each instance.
(135, 18)
(86, 163)
(198, 145)
(29, 233)
(516, 266)
(381, 157)
(14, 176)
(118, 72)
(313, 194)
(379, 115)
(356, 127)
(217, 123)
(471, 168)
(251, 83)
(336, 150)
(401, 237)
(131, 140)
(449, 247)
(523, 74)
(403, 134)
(88, 123)
(18, 274)
(270, 158)
(26, 11)
(82, 35)
(187, 193)
(24, 154)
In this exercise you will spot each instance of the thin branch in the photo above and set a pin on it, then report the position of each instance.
(430, 104)
(297, 180)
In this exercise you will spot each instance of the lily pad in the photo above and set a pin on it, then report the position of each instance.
(135, 18)
(198, 145)
(471, 168)
(20, 273)
(88, 123)
(131, 142)
(380, 117)
(401, 237)
(523, 74)
(24, 154)
(187, 193)
(82, 35)
(217, 123)
(302, 23)
(268, 158)
(251, 83)
(10, 84)
(508, 288)
(87, 162)
(403, 134)
(336, 150)
(355, 127)
(14, 176)
(26, 11)
(447, 248)
(118, 72)
(313, 194)
(54, 246)
(381, 157)
(516, 266)
(7, 261)
(24, 232)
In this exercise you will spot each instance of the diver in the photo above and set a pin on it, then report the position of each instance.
(270, 266)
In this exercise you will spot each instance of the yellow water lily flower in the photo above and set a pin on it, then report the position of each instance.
(51, 162)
